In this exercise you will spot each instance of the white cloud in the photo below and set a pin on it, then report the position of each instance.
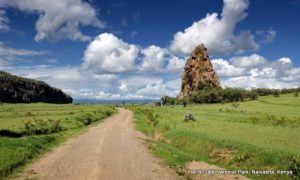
(68, 78)
(268, 72)
(153, 60)
(285, 61)
(175, 65)
(10, 55)
(155, 90)
(253, 60)
(123, 87)
(249, 82)
(58, 19)
(217, 33)
(108, 54)
(255, 71)
(224, 69)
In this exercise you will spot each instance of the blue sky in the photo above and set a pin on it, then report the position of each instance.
(117, 49)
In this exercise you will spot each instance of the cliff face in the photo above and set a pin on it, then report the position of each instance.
(198, 73)
(14, 89)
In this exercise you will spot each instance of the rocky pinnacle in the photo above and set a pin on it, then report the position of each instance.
(198, 73)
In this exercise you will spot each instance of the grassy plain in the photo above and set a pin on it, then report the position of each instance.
(263, 134)
(28, 130)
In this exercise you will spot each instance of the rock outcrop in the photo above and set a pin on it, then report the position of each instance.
(14, 89)
(198, 73)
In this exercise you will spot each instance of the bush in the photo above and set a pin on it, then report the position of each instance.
(41, 126)
(108, 113)
(188, 117)
(86, 119)
(295, 167)
(158, 103)
(296, 94)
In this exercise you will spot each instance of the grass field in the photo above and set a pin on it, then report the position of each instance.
(28, 130)
(255, 135)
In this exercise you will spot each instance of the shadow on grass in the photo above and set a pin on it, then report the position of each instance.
(11, 134)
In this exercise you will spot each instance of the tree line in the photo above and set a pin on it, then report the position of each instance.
(219, 95)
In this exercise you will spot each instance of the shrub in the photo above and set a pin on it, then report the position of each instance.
(108, 113)
(296, 94)
(86, 119)
(295, 167)
(41, 126)
(158, 103)
(188, 117)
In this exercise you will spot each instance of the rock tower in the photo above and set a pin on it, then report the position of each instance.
(198, 73)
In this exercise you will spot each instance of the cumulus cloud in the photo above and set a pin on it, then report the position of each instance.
(285, 61)
(253, 60)
(225, 69)
(175, 65)
(255, 71)
(109, 54)
(153, 59)
(217, 32)
(60, 19)
(155, 90)
(9, 55)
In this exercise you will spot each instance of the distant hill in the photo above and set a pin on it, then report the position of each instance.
(14, 89)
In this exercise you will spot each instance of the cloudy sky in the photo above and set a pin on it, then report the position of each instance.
(118, 49)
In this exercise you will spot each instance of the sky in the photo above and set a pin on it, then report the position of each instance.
(118, 49)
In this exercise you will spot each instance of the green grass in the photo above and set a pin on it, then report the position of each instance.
(40, 127)
(263, 134)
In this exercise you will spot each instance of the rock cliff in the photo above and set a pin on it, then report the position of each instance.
(198, 73)
(14, 89)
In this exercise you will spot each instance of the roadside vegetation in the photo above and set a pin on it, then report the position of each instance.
(209, 95)
(28, 130)
(261, 134)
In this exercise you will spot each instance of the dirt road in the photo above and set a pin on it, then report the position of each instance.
(112, 150)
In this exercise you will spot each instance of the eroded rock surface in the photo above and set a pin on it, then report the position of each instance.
(198, 73)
